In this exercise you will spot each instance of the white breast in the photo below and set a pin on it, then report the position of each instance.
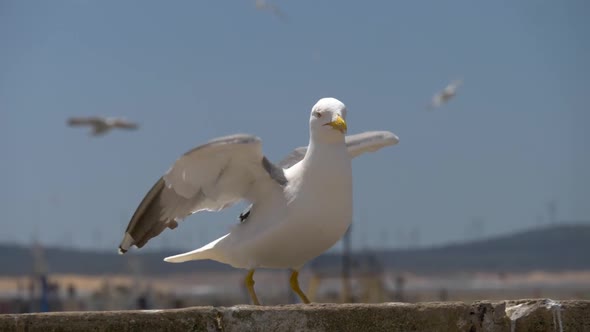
(319, 211)
(288, 229)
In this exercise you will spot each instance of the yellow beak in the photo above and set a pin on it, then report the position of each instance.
(338, 124)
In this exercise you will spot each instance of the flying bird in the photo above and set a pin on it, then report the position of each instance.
(274, 9)
(300, 207)
(446, 94)
(101, 126)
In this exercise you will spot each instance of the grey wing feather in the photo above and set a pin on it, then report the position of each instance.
(293, 158)
(277, 173)
(145, 223)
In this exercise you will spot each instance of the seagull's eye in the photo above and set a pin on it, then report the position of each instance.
(317, 114)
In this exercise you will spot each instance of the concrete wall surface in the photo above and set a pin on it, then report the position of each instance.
(522, 315)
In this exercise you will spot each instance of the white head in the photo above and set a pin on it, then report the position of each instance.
(327, 122)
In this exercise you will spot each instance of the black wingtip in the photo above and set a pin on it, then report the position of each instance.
(122, 251)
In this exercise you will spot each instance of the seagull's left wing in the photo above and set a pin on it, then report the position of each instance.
(357, 144)
(210, 177)
(369, 141)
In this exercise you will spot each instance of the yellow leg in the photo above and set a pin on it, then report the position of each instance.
(250, 286)
(294, 282)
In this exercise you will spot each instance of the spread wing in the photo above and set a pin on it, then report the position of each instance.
(210, 177)
(357, 144)
(90, 121)
(124, 124)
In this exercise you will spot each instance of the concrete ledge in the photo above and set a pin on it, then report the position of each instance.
(523, 315)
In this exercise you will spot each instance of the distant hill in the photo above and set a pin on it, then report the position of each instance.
(562, 247)
(551, 248)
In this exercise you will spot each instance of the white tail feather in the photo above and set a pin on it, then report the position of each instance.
(188, 256)
(206, 252)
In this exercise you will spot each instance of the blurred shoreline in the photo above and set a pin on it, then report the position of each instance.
(543, 262)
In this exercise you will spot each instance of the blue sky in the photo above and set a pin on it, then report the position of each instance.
(515, 137)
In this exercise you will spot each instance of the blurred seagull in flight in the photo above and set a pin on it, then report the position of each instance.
(446, 94)
(299, 208)
(101, 126)
(274, 9)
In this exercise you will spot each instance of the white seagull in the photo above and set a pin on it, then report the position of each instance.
(446, 94)
(101, 126)
(299, 208)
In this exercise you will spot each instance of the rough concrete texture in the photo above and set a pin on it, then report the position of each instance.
(523, 315)
(549, 315)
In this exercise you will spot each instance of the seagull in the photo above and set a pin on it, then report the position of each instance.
(101, 126)
(274, 9)
(300, 207)
(446, 94)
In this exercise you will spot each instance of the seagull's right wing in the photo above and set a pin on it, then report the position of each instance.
(124, 124)
(210, 177)
(357, 144)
